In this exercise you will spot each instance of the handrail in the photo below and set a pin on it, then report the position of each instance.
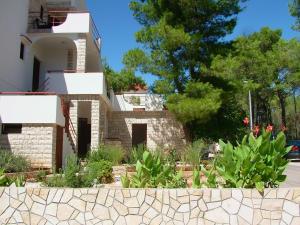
(63, 71)
(69, 126)
(28, 93)
(44, 84)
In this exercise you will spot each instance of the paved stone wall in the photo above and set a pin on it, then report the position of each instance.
(36, 142)
(149, 206)
(163, 130)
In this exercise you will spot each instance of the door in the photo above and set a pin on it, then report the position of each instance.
(59, 147)
(36, 74)
(84, 137)
(139, 134)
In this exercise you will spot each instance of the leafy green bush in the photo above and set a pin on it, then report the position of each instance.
(12, 163)
(136, 154)
(71, 172)
(110, 153)
(98, 172)
(153, 172)
(3, 178)
(256, 162)
(18, 180)
(194, 152)
(41, 176)
(57, 180)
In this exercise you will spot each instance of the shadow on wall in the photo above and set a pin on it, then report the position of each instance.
(4, 141)
(118, 130)
(154, 102)
(166, 133)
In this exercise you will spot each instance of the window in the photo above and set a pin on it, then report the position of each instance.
(22, 49)
(11, 128)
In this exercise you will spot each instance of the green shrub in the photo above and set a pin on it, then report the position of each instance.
(136, 154)
(256, 162)
(18, 180)
(57, 180)
(3, 178)
(41, 176)
(194, 152)
(71, 172)
(98, 172)
(152, 172)
(114, 154)
(12, 163)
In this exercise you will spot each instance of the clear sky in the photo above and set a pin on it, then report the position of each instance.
(117, 25)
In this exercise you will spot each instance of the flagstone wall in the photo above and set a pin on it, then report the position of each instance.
(149, 206)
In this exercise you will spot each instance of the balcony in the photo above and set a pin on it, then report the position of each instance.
(62, 22)
(71, 83)
(35, 108)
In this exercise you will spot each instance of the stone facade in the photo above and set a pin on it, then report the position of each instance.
(163, 131)
(36, 142)
(149, 206)
(98, 114)
(81, 54)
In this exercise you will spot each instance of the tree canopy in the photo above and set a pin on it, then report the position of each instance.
(294, 6)
(267, 65)
(180, 39)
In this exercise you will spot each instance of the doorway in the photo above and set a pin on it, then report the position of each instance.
(59, 147)
(36, 74)
(139, 134)
(84, 137)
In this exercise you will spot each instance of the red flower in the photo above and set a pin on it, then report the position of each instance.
(246, 121)
(269, 128)
(283, 128)
(256, 130)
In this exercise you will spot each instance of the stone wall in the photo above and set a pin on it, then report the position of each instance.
(149, 206)
(163, 130)
(81, 54)
(99, 111)
(36, 142)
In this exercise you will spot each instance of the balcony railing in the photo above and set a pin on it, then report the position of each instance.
(50, 19)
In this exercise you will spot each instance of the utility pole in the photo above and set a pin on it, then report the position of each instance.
(250, 111)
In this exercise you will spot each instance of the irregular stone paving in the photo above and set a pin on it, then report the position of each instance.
(53, 206)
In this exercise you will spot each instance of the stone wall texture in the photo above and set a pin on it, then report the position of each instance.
(163, 131)
(36, 142)
(149, 206)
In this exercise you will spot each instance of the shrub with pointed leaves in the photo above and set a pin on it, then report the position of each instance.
(256, 162)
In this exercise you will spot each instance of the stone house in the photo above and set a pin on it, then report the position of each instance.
(54, 100)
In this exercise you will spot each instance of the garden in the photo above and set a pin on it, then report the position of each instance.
(257, 161)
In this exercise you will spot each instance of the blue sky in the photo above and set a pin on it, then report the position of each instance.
(117, 25)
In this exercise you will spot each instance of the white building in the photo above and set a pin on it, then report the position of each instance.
(53, 95)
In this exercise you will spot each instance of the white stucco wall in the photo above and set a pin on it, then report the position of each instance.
(150, 102)
(31, 109)
(75, 23)
(76, 83)
(15, 74)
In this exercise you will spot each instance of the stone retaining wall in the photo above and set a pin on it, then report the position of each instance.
(37, 143)
(149, 206)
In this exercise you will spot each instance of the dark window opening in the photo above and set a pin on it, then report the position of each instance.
(11, 128)
(22, 49)
(42, 13)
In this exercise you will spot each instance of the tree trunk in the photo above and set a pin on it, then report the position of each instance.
(282, 97)
(295, 117)
(187, 133)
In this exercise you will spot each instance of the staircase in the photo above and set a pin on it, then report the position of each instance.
(69, 127)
